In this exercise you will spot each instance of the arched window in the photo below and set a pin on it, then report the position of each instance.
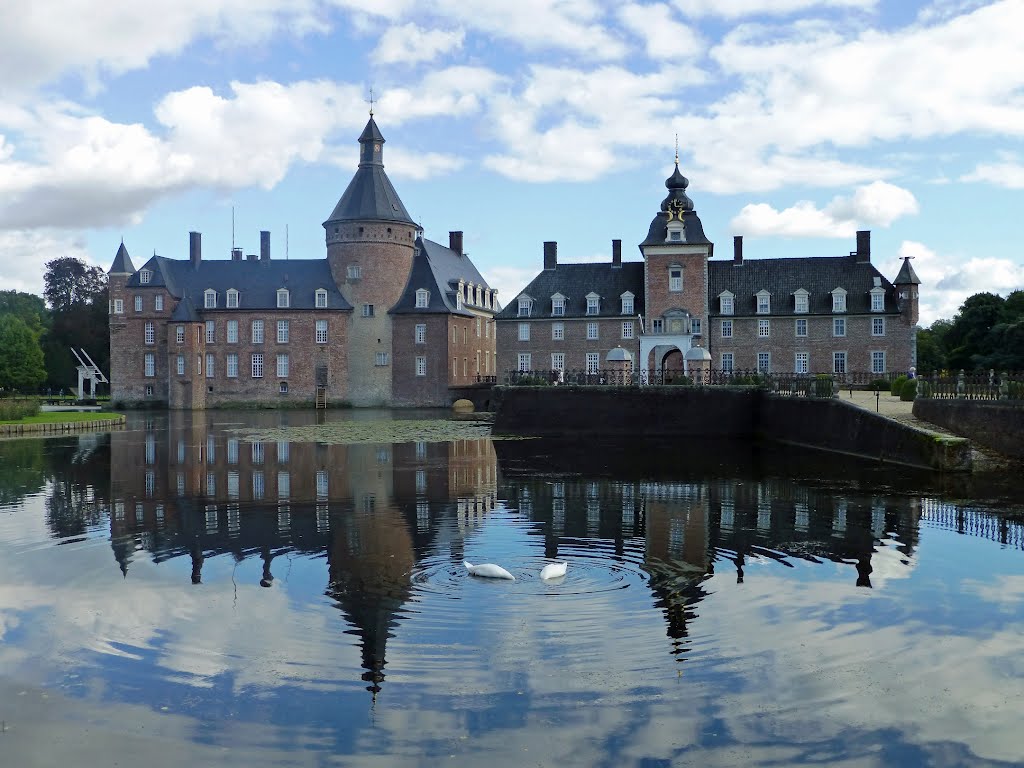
(283, 299)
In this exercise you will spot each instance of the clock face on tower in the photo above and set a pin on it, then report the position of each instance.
(376, 147)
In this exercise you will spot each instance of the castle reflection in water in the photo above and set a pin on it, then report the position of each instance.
(188, 484)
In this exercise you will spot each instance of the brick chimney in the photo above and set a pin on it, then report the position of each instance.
(616, 254)
(264, 245)
(864, 246)
(737, 250)
(195, 248)
(455, 242)
(236, 254)
(550, 254)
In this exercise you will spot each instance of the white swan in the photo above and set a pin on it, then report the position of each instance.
(488, 571)
(553, 570)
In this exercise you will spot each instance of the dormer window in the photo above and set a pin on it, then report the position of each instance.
(283, 301)
(593, 303)
(627, 303)
(726, 303)
(209, 299)
(232, 298)
(558, 305)
(801, 299)
(675, 278)
(675, 232)
(878, 299)
(469, 294)
(839, 300)
(145, 276)
(479, 299)
(525, 306)
(320, 298)
(422, 298)
(764, 302)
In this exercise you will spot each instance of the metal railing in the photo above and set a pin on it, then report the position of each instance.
(978, 385)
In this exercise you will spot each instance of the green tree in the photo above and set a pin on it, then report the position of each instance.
(69, 281)
(931, 347)
(970, 341)
(21, 357)
(29, 307)
(77, 294)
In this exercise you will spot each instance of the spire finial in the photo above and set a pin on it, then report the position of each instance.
(371, 101)
(677, 150)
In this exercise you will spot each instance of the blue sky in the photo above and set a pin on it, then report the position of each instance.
(799, 122)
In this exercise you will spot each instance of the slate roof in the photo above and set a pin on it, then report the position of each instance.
(122, 263)
(256, 281)
(817, 275)
(692, 228)
(907, 275)
(575, 281)
(370, 195)
(438, 269)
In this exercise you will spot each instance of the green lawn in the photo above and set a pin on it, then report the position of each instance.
(63, 417)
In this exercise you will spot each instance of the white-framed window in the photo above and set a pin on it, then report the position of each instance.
(149, 393)
(878, 326)
(524, 331)
(878, 299)
(839, 326)
(209, 365)
(138, 303)
(158, 302)
(232, 298)
(458, 301)
(591, 331)
(800, 327)
(593, 362)
(181, 365)
(524, 361)
(282, 366)
(231, 366)
(320, 298)
(150, 364)
(764, 362)
(627, 329)
(118, 306)
(525, 306)
(354, 272)
(558, 331)
(179, 334)
(232, 332)
(479, 323)
(802, 362)
(421, 333)
(727, 361)
(764, 328)
(199, 364)
(839, 300)
(838, 362)
(695, 326)
(558, 305)
(593, 305)
(727, 329)
(257, 365)
(421, 365)
(381, 359)
(211, 331)
(657, 326)
(675, 278)
(150, 333)
(801, 301)
(257, 331)
(627, 303)
(282, 387)
(367, 310)
(210, 298)
(283, 298)
(422, 298)
(321, 331)
(282, 331)
(764, 303)
(558, 361)
(726, 304)
(145, 276)
(878, 362)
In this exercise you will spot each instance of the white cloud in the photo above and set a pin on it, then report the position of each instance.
(1009, 173)
(663, 35)
(508, 280)
(410, 44)
(878, 204)
(731, 9)
(24, 253)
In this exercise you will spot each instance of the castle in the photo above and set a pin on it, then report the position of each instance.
(388, 318)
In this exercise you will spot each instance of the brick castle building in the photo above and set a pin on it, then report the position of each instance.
(387, 318)
(678, 306)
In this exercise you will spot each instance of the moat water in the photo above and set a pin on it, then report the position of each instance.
(287, 589)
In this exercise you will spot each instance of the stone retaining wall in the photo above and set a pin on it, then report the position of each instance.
(990, 423)
(9, 430)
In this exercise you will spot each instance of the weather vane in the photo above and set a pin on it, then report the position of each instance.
(677, 149)
(371, 101)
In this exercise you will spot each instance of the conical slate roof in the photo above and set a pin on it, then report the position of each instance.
(907, 275)
(122, 263)
(370, 195)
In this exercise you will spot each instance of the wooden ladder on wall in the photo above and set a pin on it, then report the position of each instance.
(321, 397)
